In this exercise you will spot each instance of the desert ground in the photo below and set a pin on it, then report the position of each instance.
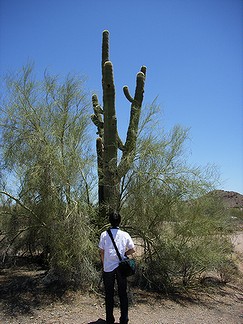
(23, 300)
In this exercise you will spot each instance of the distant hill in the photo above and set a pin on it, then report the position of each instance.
(231, 199)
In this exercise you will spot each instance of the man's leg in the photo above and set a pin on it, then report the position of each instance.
(122, 291)
(109, 282)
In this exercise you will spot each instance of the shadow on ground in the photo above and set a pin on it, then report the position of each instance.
(22, 290)
(99, 321)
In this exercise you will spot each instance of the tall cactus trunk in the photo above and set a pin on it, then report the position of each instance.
(110, 172)
(111, 185)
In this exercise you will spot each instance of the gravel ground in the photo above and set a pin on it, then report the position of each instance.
(225, 305)
(23, 301)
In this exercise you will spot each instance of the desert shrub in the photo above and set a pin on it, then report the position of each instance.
(236, 217)
(66, 242)
(45, 148)
(74, 251)
(182, 238)
(227, 270)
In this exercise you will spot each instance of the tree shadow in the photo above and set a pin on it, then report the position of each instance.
(23, 291)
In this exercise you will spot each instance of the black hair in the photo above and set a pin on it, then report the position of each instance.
(114, 219)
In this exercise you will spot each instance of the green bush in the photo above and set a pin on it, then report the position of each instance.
(74, 251)
(182, 240)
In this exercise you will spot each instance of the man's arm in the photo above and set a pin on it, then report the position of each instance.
(129, 252)
(102, 253)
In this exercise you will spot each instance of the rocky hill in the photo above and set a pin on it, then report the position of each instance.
(231, 199)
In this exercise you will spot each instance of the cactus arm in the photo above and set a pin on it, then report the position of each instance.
(100, 151)
(95, 100)
(99, 124)
(138, 98)
(143, 69)
(97, 116)
(120, 144)
(126, 89)
(98, 110)
(127, 94)
(130, 144)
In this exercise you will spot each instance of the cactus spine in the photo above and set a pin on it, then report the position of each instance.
(110, 172)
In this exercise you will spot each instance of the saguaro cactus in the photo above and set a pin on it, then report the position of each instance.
(110, 172)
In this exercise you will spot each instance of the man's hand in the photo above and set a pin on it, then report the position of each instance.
(129, 252)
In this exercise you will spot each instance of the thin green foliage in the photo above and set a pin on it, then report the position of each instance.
(183, 230)
(45, 144)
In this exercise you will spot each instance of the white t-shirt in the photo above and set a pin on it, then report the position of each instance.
(123, 242)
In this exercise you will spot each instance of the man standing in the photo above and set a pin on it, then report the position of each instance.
(111, 272)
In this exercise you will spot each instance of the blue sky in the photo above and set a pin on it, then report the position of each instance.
(192, 50)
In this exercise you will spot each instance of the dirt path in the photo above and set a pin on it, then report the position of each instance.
(23, 300)
(225, 306)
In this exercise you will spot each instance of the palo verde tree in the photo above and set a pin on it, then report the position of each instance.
(45, 141)
(110, 172)
(181, 227)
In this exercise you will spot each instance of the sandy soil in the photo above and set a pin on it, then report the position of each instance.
(224, 305)
(23, 300)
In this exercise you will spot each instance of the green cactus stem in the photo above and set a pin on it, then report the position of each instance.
(110, 172)
(136, 104)
(99, 151)
(97, 118)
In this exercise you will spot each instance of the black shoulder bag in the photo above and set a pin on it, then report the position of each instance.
(127, 266)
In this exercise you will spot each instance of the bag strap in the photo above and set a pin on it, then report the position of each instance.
(112, 238)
